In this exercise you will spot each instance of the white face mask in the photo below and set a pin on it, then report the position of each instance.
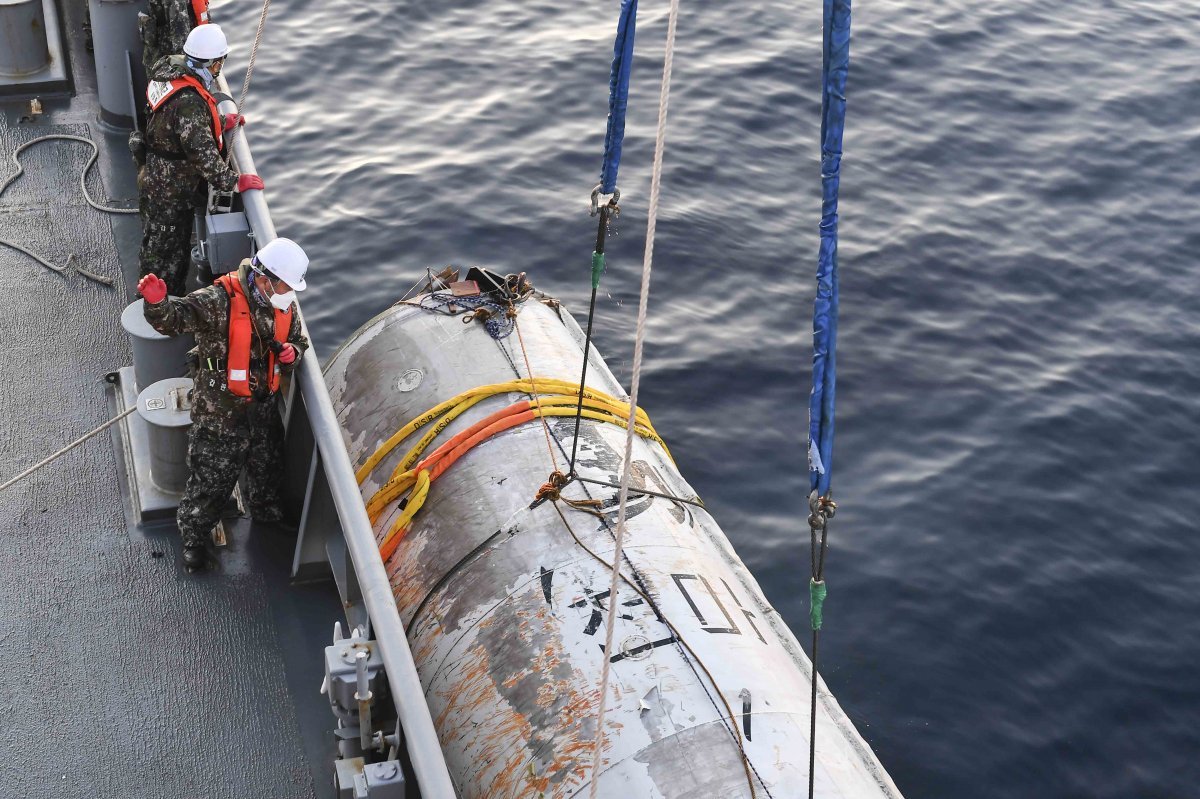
(283, 301)
(280, 301)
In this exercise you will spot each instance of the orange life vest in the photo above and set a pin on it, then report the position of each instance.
(241, 333)
(200, 11)
(158, 92)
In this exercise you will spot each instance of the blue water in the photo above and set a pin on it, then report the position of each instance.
(1014, 581)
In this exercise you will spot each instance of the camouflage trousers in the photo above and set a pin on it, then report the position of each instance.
(166, 243)
(219, 448)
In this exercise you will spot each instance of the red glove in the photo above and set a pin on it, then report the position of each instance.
(248, 182)
(232, 121)
(152, 288)
(287, 354)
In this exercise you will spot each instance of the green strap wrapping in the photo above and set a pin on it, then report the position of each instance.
(816, 592)
(597, 268)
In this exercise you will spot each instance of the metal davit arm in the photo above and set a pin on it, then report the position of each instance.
(421, 739)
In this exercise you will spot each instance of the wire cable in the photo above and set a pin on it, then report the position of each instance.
(82, 187)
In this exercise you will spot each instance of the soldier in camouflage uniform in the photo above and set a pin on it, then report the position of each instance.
(230, 431)
(165, 26)
(184, 150)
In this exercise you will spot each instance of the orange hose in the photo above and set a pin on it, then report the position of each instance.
(522, 406)
(445, 461)
(420, 477)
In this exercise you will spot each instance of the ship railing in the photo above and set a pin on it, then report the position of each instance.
(335, 535)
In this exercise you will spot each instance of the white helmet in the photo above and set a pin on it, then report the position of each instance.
(286, 261)
(206, 43)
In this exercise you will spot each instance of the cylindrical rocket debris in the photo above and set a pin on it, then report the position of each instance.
(506, 609)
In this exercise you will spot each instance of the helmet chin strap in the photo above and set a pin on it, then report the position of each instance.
(202, 71)
(259, 297)
(281, 301)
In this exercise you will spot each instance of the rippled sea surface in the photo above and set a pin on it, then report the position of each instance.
(1014, 605)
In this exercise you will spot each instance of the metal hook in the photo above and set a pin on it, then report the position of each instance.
(595, 209)
(822, 509)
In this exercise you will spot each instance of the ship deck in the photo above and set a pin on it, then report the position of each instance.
(122, 675)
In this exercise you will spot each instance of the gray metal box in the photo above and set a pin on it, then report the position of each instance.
(227, 241)
(342, 675)
(384, 780)
(353, 780)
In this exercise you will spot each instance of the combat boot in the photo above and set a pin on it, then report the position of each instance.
(195, 558)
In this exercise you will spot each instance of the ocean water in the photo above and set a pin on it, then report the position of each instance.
(1015, 568)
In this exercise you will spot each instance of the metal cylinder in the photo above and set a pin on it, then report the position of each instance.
(155, 356)
(23, 47)
(168, 412)
(118, 50)
(506, 601)
(201, 268)
(363, 697)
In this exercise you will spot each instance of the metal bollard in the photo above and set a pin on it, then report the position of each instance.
(167, 409)
(118, 50)
(23, 48)
(155, 356)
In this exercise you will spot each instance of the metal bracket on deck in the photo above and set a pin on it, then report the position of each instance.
(355, 683)
(354, 779)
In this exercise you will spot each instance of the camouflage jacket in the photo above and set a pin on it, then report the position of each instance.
(182, 126)
(166, 28)
(205, 313)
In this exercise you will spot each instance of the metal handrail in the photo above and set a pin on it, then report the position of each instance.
(429, 763)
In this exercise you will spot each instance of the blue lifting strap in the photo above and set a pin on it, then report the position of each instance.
(618, 95)
(835, 66)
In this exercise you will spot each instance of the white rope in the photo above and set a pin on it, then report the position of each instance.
(262, 21)
(67, 448)
(643, 301)
(60, 269)
(82, 187)
(82, 175)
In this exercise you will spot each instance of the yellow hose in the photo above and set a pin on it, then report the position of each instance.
(524, 385)
(556, 398)
(402, 481)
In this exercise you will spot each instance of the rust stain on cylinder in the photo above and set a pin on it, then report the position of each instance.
(518, 659)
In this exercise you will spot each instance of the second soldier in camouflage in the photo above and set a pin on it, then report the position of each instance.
(230, 432)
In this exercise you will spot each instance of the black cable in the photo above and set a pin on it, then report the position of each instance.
(812, 727)
(634, 490)
(822, 510)
(689, 656)
(601, 233)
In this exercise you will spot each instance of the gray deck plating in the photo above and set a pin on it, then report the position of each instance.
(123, 677)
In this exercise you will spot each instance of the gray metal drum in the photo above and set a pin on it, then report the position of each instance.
(155, 356)
(506, 609)
(23, 47)
(168, 412)
(118, 50)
